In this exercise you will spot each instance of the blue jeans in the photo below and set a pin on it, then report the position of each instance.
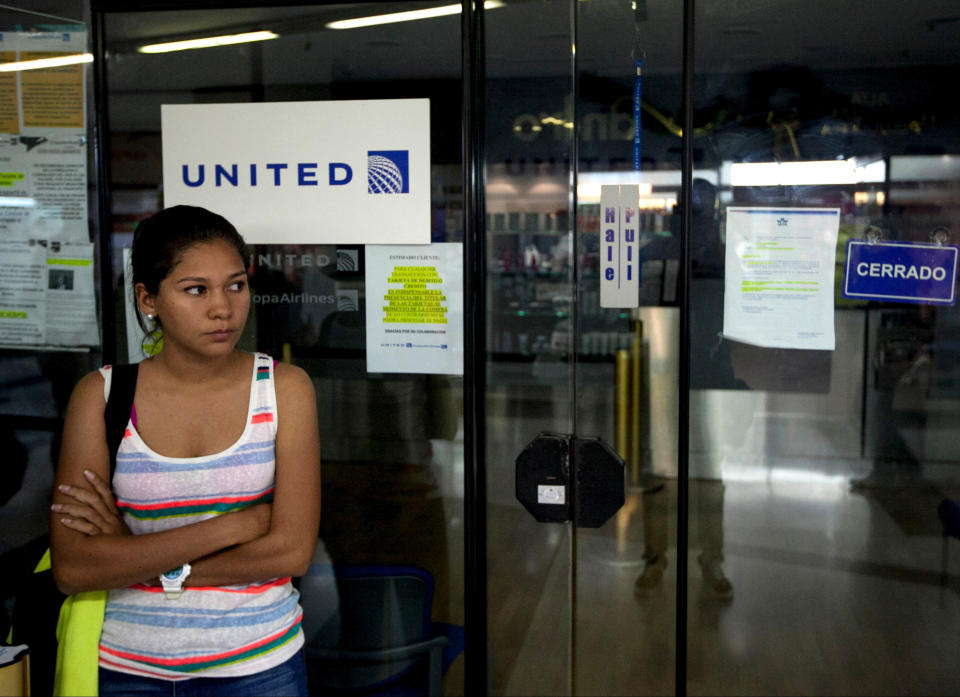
(289, 679)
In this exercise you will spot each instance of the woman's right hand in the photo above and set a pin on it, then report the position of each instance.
(95, 512)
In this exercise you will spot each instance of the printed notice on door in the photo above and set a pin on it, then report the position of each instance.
(415, 308)
(780, 266)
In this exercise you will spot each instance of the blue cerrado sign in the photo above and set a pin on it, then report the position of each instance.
(901, 272)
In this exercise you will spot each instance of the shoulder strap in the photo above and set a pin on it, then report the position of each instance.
(119, 404)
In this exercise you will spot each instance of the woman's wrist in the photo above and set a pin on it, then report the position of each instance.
(248, 524)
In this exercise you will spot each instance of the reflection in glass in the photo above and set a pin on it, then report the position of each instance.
(831, 465)
(391, 444)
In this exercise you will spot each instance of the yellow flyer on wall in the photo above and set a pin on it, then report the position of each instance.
(415, 308)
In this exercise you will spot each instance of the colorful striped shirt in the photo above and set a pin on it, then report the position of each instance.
(215, 631)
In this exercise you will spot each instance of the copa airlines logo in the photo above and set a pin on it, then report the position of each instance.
(388, 172)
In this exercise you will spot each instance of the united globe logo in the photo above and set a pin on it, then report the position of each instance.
(388, 171)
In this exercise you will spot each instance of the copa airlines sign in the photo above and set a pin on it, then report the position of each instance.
(304, 172)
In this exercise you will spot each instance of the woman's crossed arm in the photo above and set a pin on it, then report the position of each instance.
(92, 548)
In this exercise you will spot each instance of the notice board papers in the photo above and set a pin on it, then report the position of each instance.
(43, 151)
(47, 291)
(780, 265)
(47, 294)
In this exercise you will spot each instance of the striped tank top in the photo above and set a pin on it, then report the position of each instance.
(213, 631)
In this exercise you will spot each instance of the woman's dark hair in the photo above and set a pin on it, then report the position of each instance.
(160, 240)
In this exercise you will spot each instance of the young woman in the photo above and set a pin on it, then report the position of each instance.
(217, 485)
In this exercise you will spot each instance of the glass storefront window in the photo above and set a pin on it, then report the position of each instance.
(391, 443)
(801, 544)
(821, 471)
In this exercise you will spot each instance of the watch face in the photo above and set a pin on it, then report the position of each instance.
(173, 573)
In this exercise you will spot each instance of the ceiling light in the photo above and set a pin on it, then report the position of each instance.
(811, 173)
(60, 61)
(208, 42)
(589, 184)
(409, 16)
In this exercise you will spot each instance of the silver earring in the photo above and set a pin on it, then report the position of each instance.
(149, 317)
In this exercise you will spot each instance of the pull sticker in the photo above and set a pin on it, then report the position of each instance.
(619, 248)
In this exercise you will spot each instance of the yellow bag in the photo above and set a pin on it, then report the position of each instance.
(78, 641)
(78, 650)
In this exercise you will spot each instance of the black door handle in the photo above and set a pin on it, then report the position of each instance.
(560, 477)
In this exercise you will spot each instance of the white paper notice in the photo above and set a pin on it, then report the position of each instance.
(47, 294)
(23, 293)
(71, 297)
(415, 308)
(780, 266)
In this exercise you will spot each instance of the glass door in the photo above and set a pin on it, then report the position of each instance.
(580, 610)
(383, 600)
(529, 329)
(804, 540)
(628, 60)
(810, 518)
(817, 471)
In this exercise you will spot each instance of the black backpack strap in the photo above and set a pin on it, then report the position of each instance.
(123, 385)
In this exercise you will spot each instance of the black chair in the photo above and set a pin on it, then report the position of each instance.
(380, 641)
(949, 512)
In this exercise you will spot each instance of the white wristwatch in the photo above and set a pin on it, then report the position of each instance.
(172, 581)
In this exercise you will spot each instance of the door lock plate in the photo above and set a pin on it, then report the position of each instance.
(589, 496)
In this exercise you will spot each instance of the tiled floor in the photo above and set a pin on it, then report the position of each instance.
(831, 596)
